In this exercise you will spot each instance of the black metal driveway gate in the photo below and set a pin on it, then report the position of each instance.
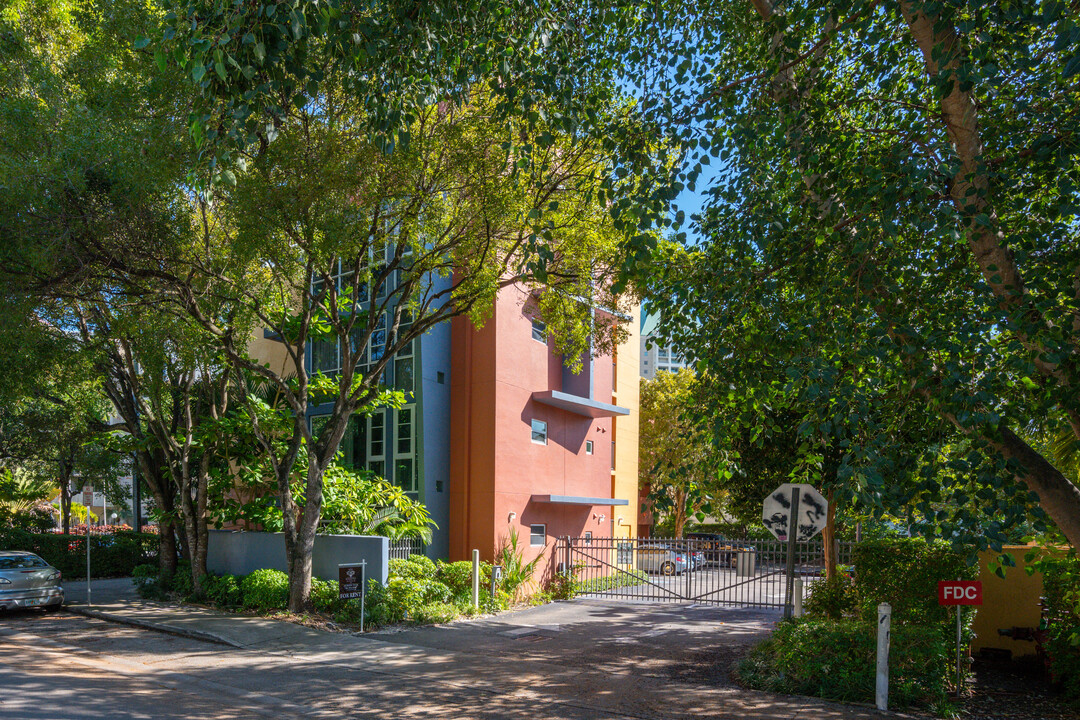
(720, 572)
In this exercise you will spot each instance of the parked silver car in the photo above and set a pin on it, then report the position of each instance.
(27, 581)
(662, 560)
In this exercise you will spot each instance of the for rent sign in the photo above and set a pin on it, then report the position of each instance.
(959, 592)
(351, 581)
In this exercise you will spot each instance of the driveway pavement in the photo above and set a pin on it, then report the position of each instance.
(578, 659)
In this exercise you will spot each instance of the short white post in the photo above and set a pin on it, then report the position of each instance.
(798, 593)
(476, 579)
(884, 612)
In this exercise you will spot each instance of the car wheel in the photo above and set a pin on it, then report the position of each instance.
(668, 568)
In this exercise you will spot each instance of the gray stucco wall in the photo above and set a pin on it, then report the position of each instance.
(435, 428)
(239, 553)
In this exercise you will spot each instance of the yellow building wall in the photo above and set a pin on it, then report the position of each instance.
(624, 479)
(264, 350)
(1012, 601)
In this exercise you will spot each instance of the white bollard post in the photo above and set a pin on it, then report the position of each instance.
(476, 579)
(884, 611)
(798, 596)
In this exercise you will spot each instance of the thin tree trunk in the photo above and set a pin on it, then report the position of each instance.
(828, 538)
(65, 497)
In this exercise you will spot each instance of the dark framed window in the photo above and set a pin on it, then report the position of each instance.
(539, 432)
(539, 331)
(537, 535)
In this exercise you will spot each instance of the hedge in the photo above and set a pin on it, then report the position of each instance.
(837, 660)
(904, 572)
(114, 555)
(1061, 590)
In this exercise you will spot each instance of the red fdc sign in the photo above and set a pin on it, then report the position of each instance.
(959, 592)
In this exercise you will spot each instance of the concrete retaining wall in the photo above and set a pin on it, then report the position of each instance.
(239, 553)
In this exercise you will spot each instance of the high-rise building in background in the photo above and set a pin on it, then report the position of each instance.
(656, 357)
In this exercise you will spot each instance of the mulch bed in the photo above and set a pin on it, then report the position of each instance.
(1014, 690)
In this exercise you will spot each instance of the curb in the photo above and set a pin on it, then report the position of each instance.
(155, 626)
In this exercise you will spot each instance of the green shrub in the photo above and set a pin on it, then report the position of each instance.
(518, 575)
(832, 598)
(265, 590)
(562, 586)
(435, 613)
(146, 580)
(610, 582)
(406, 594)
(223, 590)
(111, 555)
(181, 583)
(837, 660)
(904, 572)
(416, 567)
(1061, 589)
(458, 577)
(324, 596)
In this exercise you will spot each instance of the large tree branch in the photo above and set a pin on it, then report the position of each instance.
(970, 190)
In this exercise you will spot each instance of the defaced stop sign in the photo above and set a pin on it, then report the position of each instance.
(959, 592)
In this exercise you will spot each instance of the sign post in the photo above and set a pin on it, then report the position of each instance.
(351, 584)
(884, 635)
(794, 512)
(959, 592)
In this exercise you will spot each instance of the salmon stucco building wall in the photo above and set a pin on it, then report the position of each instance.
(535, 447)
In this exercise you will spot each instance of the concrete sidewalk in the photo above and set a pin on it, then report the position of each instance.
(589, 658)
(115, 600)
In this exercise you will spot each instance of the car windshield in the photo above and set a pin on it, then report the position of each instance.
(19, 562)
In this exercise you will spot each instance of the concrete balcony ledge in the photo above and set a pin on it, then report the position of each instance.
(578, 405)
(576, 500)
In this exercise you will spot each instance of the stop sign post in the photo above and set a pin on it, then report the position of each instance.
(959, 592)
(793, 511)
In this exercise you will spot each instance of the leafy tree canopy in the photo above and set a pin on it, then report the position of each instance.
(896, 217)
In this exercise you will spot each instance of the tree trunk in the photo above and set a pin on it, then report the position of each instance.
(194, 518)
(970, 189)
(828, 538)
(304, 544)
(65, 497)
(166, 550)
(680, 512)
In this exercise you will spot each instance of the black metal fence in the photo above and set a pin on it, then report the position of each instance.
(721, 572)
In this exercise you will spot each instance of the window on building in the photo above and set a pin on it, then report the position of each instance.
(539, 331)
(538, 535)
(588, 537)
(325, 357)
(405, 474)
(539, 432)
(663, 353)
(440, 377)
(612, 454)
(588, 447)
